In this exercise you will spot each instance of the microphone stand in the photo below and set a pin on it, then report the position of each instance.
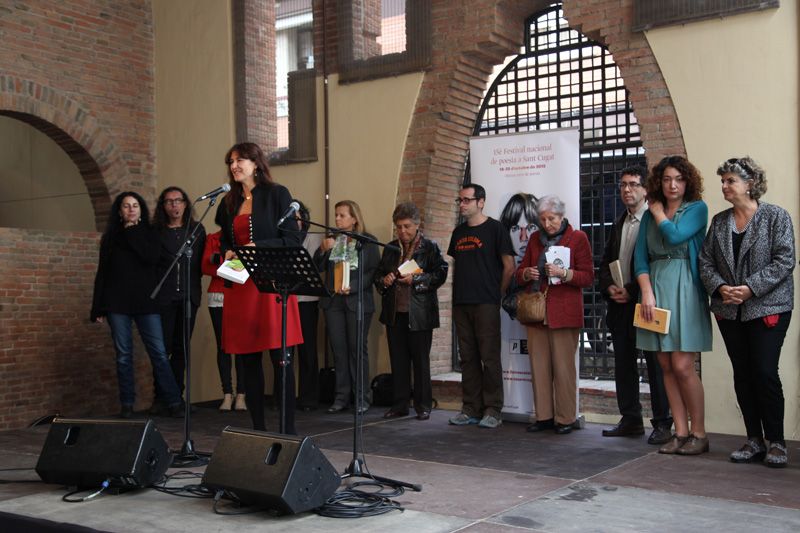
(356, 466)
(188, 453)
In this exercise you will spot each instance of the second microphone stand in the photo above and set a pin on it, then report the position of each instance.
(356, 466)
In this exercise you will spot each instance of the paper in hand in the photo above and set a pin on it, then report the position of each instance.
(559, 256)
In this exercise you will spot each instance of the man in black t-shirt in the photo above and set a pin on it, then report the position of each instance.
(484, 264)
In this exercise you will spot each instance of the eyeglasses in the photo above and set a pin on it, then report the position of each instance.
(460, 201)
(175, 201)
(632, 185)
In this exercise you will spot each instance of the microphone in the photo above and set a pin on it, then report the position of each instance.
(225, 187)
(293, 208)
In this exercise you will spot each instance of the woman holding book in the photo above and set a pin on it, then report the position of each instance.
(408, 278)
(251, 320)
(338, 257)
(666, 268)
(552, 345)
(746, 265)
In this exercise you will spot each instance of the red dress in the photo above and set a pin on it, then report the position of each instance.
(251, 320)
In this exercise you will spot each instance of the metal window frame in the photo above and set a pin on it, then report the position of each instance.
(610, 143)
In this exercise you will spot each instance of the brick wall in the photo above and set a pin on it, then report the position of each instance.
(85, 67)
(254, 72)
(81, 71)
(52, 360)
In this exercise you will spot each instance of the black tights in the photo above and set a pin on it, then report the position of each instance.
(254, 389)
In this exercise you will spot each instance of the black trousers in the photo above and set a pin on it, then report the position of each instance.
(626, 372)
(254, 388)
(224, 359)
(307, 363)
(342, 333)
(410, 349)
(754, 350)
(172, 325)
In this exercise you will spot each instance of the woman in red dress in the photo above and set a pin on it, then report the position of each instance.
(251, 321)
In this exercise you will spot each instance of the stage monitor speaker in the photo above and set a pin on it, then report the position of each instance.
(284, 473)
(84, 453)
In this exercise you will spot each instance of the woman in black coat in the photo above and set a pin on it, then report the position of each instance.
(410, 310)
(335, 257)
(126, 275)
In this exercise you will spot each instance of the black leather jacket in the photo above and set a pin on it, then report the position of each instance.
(424, 304)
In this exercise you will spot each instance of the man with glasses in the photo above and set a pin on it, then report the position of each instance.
(484, 264)
(173, 215)
(619, 318)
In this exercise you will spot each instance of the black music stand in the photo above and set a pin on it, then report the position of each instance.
(284, 271)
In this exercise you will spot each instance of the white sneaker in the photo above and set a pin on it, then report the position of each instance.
(240, 403)
(227, 403)
(490, 422)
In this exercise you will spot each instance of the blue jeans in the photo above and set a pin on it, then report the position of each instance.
(149, 327)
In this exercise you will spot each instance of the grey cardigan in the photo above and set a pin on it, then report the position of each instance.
(766, 261)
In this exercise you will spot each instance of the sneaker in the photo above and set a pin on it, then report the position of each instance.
(490, 422)
(753, 450)
(227, 403)
(777, 456)
(240, 404)
(463, 419)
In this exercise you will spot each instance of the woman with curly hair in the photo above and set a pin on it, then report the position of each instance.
(746, 264)
(666, 268)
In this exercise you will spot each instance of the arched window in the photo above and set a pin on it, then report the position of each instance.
(563, 79)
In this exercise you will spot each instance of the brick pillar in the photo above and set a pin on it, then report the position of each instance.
(254, 72)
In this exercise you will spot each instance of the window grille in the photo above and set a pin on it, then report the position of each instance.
(563, 79)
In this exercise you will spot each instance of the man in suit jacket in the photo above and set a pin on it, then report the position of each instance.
(619, 318)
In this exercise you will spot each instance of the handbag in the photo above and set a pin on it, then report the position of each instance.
(532, 307)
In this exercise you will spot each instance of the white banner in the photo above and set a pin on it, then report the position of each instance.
(540, 163)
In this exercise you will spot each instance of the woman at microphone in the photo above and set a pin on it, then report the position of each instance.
(251, 320)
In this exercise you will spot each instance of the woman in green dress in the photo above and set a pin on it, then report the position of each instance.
(666, 268)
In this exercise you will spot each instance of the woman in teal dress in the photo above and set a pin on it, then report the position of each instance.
(666, 268)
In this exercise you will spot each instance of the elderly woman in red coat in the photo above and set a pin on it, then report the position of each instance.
(552, 345)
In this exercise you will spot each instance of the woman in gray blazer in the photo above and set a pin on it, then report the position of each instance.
(746, 266)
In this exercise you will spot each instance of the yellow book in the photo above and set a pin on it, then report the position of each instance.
(660, 322)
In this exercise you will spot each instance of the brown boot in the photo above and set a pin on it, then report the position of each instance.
(694, 446)
(673, 445)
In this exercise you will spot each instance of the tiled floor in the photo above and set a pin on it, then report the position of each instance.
(474, 480)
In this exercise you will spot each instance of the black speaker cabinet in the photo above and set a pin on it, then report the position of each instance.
(84, 453)
(279, 472)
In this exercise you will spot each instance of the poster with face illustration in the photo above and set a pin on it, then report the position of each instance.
(516, 170)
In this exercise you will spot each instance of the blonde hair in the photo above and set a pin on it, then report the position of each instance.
(355, 212)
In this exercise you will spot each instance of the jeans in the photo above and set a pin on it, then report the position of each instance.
(149, 327)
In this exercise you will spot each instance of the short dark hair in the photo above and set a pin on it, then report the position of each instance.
(480, 192)
(406, 210)
(635, 170)
(519, 204)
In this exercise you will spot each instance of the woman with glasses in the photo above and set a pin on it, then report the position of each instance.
(746, 264)
(665, 265)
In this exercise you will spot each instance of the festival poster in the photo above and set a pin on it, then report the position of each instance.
(512, 167)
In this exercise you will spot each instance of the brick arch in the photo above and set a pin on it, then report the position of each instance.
(469, 39)
(75, 130)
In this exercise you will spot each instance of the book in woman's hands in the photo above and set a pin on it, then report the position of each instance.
(660, 322)
(233, 270)
(409, 267)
